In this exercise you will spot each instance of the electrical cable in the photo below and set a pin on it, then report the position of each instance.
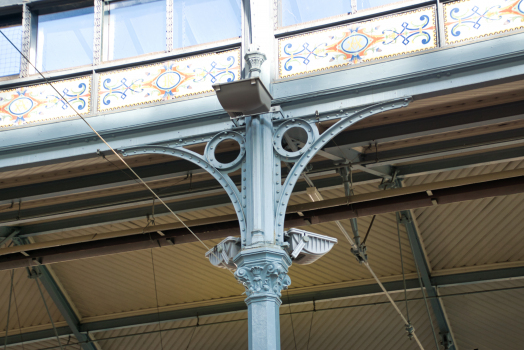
(49, 314)
(386, 293)
(112, 150)
(18, 315)
(101, 154)
(295, 313)
(311, 323)
(423, 294)
(369, 229)
(8, 310)
(192, 333)
(156, 296)
(402, 266)
(291, 317)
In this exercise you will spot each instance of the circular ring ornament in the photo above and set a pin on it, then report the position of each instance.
(212, 145)
(312, 135)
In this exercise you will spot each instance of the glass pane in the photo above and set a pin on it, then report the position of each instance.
(136, 28)
(203, 21)
(366, 4)
(9, 57)
(65, 39)
(298, 11)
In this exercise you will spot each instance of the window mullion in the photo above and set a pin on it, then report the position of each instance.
(169, 25)
(440, 24)
(27, 24)
(97, 38)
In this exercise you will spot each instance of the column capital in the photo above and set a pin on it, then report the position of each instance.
(263, 272)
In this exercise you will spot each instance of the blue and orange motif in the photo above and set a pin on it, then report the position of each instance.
(41, 102)
(344, 45)
(167, 80)
(466, 20)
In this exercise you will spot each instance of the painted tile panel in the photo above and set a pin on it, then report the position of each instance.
(167, 80)
(41, 102)
(354, 43)
(471, 19)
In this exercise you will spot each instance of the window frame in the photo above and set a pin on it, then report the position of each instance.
(34, 32)
(12, 20)
(357, 16)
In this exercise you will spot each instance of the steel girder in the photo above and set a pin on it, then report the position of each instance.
(93, 217)
(62, 304)
(153, 317)
(474, 66)
(447, 339)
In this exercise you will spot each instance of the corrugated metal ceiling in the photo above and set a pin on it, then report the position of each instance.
(26, 302)
(472, 233)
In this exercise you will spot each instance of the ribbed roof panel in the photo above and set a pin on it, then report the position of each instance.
(487, 320)
(472, 233)
(26, 302)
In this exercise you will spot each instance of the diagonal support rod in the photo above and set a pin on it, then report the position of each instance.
(61, 302)
(423, 265)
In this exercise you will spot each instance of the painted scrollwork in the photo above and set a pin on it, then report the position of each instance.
(262, 280)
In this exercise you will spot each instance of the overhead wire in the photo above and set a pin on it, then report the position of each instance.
(112, 149)
(422, 290)
(192, 333)
(294, 313)
(402, 267)
(157, 305)
(291, 317)
(311, 323)
(8, 310)
(386, 293)
(18, 314)
(48, 313)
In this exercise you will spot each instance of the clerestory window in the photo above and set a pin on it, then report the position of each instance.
(204, 21)
(9, 56)
(134, 27)
(65, 39)
(293, 12)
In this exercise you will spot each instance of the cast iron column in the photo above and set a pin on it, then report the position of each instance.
(262, 265)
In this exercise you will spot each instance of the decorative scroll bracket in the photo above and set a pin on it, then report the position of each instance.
(209, 163)
(314, 144)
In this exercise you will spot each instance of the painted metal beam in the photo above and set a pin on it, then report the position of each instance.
(440, 72)
(447, 339)
(439, 124)
(345, 141)
(443, 72)
(63, 305)
(355, 291)
(308, 216)
(108, 213)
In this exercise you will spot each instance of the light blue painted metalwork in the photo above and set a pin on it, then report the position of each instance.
(422, 265)
(263, 263)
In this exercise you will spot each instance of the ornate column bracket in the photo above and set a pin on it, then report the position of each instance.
(209, 163)
(314, 144)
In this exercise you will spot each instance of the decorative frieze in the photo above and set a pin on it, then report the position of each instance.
(166, 80)
(471, 19)
(41, 102)
(354, 43)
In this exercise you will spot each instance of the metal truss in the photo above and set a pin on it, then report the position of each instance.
(364, 290)
(417, 248)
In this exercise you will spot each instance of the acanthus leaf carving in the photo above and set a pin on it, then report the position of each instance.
(262, 280)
